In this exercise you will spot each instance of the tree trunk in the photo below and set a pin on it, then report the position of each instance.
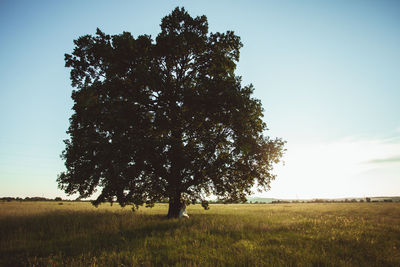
(175, 205)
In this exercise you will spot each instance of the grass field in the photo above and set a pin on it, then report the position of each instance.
(77, 234)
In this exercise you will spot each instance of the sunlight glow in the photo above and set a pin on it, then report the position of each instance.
(344, 168)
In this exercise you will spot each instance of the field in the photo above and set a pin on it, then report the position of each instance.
(301, 234)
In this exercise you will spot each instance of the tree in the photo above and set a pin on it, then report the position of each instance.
(164, 118)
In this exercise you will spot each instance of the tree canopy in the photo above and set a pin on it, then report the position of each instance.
(164, 119)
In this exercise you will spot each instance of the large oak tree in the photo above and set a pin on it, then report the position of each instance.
(164, 119)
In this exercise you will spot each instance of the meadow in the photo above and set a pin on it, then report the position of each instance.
(300, 234)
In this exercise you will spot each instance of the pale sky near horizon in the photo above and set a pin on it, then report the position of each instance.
(326, 72)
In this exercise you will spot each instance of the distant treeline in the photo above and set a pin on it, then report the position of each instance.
(318, 200)
(60, 199)
(346, 200)
(32, 199)
(250, 201)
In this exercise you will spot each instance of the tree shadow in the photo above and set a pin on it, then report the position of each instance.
(71, 234)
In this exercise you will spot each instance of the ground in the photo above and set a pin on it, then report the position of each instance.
(301, 234)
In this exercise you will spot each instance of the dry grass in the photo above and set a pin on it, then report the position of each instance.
(77, 234)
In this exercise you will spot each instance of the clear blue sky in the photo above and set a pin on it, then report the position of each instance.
(327, 73)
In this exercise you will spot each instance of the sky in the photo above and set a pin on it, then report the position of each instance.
(326, 72)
